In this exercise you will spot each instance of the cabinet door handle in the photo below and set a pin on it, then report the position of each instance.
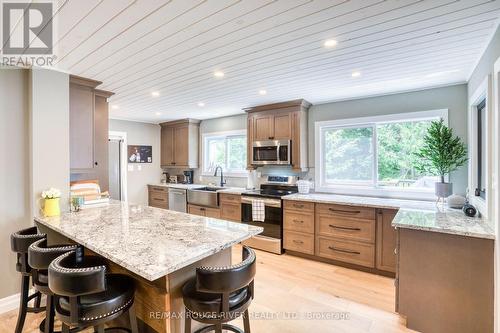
(202, 208)
(344, 211)
(95, 163)
(298, 241)
(298, 221)
(158, 199)
(343, 250)
(344, 228)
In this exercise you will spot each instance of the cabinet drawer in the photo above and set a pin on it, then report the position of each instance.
(299, 242)
(212, 212)
(230, 198)
(346, 211)
(301, 206)
(158, 202)
(196, 210)
(158, 189)
(230, 211)
(295, 221)
(346, 228)
(351, 252)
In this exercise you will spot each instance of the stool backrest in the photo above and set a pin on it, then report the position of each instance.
(40, 255)
(70, 275)
(227, 279)
(20, 242)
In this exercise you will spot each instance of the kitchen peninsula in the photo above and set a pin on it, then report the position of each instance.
(159, 248)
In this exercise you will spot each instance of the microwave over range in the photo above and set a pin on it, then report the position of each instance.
(271, 152)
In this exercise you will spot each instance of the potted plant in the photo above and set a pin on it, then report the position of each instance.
(441, 154)
(51, 202)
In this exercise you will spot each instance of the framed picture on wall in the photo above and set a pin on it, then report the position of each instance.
(140, 154)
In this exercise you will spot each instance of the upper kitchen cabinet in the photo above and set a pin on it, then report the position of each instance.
(179, 143)
(280, 121)
(89, 129)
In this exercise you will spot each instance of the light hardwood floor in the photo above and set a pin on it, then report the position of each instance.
(290, 290)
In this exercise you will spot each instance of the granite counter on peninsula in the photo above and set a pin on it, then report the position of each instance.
(160, 248)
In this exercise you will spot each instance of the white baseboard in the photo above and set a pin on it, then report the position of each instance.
(9, 303)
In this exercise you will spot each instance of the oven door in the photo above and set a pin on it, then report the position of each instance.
(271, 152)
(273, 222)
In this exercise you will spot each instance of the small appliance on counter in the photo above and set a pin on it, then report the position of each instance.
(165, 178)
(172, 179)
(188, 177)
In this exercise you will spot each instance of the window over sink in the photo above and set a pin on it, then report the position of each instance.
(374, 155)
(226, 149)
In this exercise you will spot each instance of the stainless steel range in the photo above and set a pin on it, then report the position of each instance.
(271, 194)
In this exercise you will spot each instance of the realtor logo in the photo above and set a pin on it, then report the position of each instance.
(27, 28)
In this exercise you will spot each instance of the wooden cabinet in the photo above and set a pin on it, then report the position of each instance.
(230, 207)
(88, 108)
(280, 121)
(298, 226)
(179, 143)
(158, 196)
(386, 240)
(204, 211)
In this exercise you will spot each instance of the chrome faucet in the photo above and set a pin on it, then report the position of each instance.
(222, 182)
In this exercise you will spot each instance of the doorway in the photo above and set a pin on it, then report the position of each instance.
(117, 154)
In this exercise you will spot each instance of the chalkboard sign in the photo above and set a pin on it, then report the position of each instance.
(140, 154)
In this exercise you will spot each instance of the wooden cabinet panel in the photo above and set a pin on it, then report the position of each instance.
(181, 149)
(230, 198)
(345, 228)
(282, 126)
(347, 251)
(101, 137)
(158, 196)
(301, 206)
(342, 211)
(212, 212)
(167, 146)
(386, 240)
(302, 222)
(263, 127)
(81, 122)
(299, 242)
(230, 211)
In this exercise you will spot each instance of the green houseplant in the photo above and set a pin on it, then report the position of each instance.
(441, 154)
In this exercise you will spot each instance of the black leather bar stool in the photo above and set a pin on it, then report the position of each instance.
(218, 295)
(86, 296)
(19, 243)
(39, 257)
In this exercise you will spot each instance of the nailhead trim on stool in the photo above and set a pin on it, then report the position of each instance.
(109, 313)
(57, 267)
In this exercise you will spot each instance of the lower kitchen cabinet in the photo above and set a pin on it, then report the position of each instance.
(204, 211)
(230, 207)
(360, 237)
(158, 196)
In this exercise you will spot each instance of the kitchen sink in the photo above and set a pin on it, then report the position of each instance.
(204, 196)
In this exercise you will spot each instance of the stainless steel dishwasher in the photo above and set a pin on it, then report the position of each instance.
(177, 200)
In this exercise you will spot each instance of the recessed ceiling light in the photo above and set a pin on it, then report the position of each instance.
(356, 74)
(442, 73)
(158, 113)
(219, 74)
(155, 93)
(329, 43)
(263, 92)
(116, 107)
(201, 104)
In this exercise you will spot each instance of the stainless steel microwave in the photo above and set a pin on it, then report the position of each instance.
(271, 152)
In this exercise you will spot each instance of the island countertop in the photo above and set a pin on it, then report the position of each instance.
(150, 242)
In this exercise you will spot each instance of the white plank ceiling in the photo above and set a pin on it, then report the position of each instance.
(173, 48)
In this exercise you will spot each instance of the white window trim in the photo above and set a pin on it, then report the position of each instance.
(320, 186)
(204, 171)
(482, 92)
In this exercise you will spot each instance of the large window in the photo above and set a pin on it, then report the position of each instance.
(374, 155)
(225, 149)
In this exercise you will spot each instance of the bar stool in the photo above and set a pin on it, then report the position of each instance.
(19, 243)
(218, 295)
(86, 296)
(39, 257)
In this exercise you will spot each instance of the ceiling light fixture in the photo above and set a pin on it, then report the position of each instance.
(219, 74)
(155, 93)
(115, 107)
(329, 43)
(201, 104)
(356, 74)
(263, 92)
(158, 113)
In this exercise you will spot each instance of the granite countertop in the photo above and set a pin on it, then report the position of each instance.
(229, 190)
(412, 214)
(150, 242)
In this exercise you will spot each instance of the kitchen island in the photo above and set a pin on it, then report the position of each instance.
(159, 248)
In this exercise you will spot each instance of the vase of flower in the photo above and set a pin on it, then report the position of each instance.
(51, 202)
